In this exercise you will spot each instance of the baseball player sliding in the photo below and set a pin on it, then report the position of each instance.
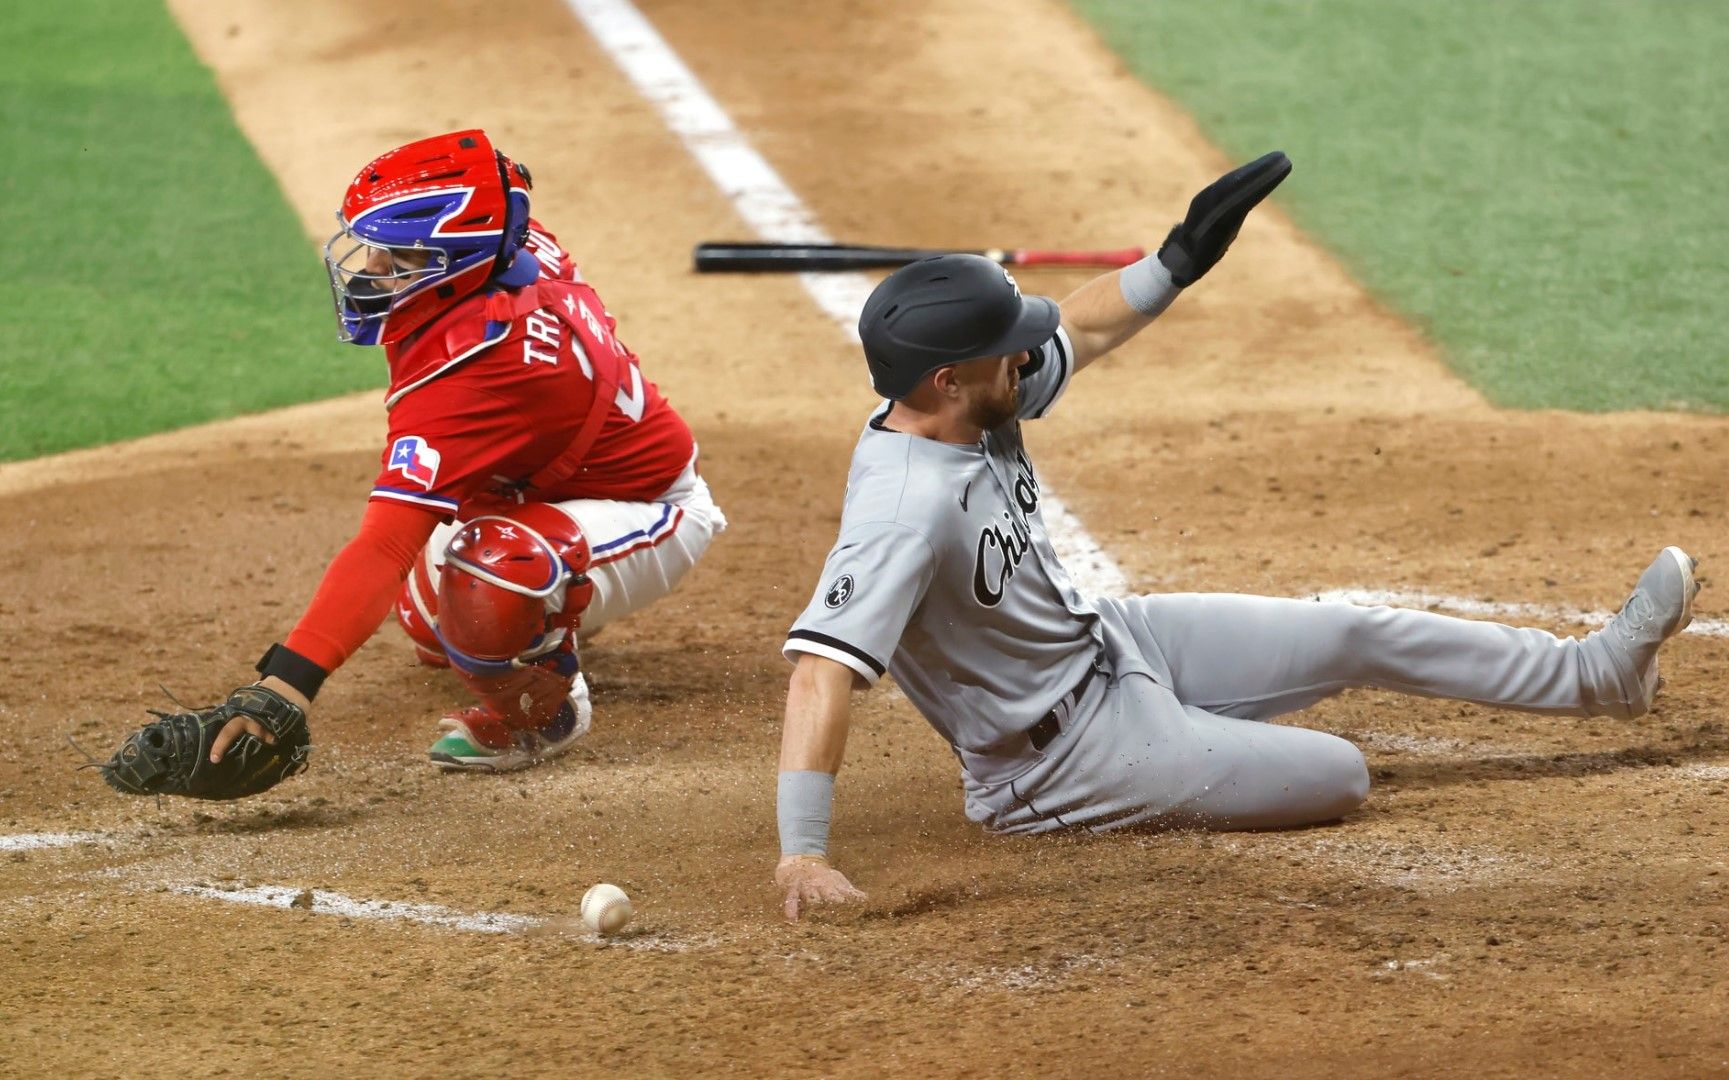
(1096, 712)
(533, 483)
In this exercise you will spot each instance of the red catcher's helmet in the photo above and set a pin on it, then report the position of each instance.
(422, 227)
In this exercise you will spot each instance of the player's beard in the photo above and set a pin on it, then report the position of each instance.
(995, 411)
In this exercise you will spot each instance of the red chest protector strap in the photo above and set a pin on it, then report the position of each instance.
(548, 296)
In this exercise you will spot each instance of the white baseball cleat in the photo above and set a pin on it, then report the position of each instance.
(1661, 607)
(475, 739)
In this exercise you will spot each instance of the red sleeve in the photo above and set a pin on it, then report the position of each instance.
(553, 258)
(361, 583)
(447, 441)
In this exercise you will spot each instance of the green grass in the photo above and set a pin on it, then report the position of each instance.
(1543, 188)
(153, 275)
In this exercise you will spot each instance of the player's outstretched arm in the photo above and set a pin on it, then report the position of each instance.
(1098, 318)
(1114, 307)
(258, 736)
(813, 741)
(353, 598)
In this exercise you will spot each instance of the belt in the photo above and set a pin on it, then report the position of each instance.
(1041, 733)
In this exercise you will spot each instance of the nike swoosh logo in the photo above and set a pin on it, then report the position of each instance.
(964, 493)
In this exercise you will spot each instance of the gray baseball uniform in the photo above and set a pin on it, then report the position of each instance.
(1068, 710)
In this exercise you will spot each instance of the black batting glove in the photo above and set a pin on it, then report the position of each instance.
(1215, 215)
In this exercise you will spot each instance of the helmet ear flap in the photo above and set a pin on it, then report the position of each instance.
(516, 184)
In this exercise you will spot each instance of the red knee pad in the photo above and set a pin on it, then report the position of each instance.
(417, 612)
(512, 587)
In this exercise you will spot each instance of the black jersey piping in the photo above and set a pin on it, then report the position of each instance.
(837, 643)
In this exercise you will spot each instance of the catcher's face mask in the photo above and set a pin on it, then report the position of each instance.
(366, 279)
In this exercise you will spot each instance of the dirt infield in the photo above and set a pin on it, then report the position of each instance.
(1520, 895)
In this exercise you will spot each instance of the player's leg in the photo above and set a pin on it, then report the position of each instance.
(534, 703)
(511, 591)
(639, 552)
(1144, 758)
(1256, 657)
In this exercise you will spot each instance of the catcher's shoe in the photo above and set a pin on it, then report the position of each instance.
(1661, 607)
(476, 739)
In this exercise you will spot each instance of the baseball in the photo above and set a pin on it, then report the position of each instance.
(605, 909)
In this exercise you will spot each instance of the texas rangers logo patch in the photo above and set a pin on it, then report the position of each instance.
(413, 458)
(840, 592)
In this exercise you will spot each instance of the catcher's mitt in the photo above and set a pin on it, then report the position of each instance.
(171, 756)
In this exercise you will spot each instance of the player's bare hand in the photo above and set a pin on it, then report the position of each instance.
(231, 731)
(246, 725)
(809, 879)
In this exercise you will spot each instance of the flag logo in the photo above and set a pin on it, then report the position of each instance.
(413, 458)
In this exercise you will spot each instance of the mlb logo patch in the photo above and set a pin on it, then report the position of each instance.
(413, 458)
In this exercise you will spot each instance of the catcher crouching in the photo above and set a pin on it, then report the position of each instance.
(533, 483)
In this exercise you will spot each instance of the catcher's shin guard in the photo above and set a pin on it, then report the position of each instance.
(525, 695)
(510, 596)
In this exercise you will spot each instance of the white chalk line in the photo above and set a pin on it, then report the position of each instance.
(330, 903)
(37, 841)
(745, 177)
(325, 902)
(1423, 745)
(1044, 974)
(1424, 967)
(1429, 864)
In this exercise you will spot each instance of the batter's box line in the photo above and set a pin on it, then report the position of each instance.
(1552, 613)
(1435, 746)
(40, 841)
(326, 902)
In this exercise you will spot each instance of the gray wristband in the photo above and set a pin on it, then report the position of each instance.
(1147, 286)
(803, 809)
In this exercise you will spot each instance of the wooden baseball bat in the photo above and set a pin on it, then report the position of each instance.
(725, 257)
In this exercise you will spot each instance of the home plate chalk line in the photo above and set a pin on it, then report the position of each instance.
(325, 902)
(38, 841)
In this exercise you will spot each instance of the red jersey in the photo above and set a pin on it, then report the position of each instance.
(497, 388)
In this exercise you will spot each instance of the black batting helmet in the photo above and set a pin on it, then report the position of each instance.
(943, 310)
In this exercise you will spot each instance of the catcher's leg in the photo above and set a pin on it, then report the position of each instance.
(511, 593)
(641, 551)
